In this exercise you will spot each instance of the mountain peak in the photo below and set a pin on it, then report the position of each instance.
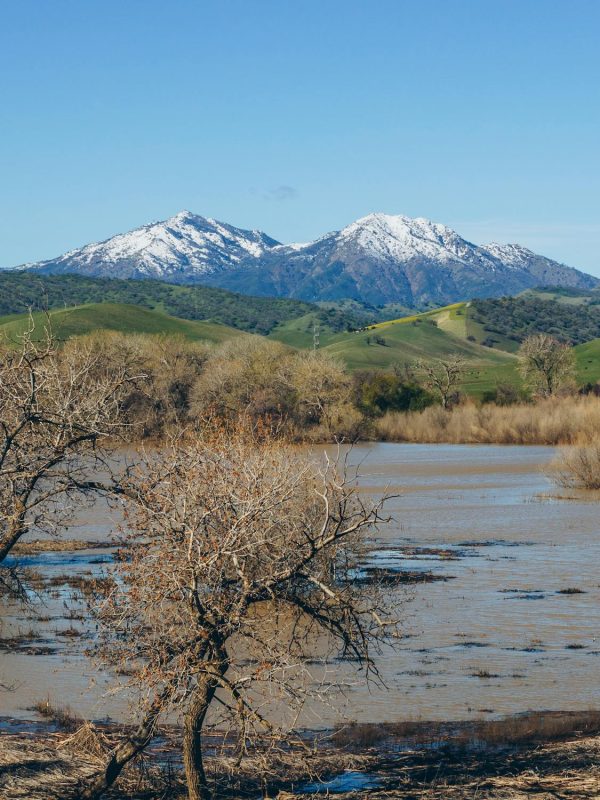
(398, 237)
(181, 248)
(379, 258)
(184, 216)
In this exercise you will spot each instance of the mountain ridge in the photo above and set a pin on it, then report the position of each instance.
(378, 259)
(184, 246)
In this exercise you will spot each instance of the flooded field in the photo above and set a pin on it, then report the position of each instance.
(510, 625)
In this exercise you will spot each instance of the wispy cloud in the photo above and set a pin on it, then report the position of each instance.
(278, 194)
(283, 192)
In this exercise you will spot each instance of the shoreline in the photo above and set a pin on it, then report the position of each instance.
(542, 755)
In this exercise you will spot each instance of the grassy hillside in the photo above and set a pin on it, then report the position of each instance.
(563, 294)
(502, 324)
(588, 362)
(20, 291)
(444, 311)
(114, 317)
(455, 329)
(457, 319)
(299, 332)
(507, 321)
(433, 334)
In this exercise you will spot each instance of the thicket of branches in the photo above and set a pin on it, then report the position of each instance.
(236, 585)
(238, 576)
(60, 414)
(547, 365)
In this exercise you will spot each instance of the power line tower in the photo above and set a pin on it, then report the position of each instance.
(316, 335)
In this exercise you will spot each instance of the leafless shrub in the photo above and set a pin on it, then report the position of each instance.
(306, 394)
(237, 570)
(59, 410)
(62, 716)
(546, 364)
(170, 365)
(578, 467)
(87, 741)
(442, 376)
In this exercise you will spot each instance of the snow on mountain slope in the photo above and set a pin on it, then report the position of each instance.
(395, 259)
(400, 238)
(181, 248)
(512, 255)
(379, 259)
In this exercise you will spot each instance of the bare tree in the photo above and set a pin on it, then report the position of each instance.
(307, 392)
(442, 376)
(57, 411)
(322, 389)
(546, 364)
(241, 562)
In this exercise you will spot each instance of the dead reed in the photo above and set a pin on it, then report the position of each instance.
(554, 421)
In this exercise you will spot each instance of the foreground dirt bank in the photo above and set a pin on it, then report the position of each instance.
(51, 766)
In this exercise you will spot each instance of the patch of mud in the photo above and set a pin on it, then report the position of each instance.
(27, 548)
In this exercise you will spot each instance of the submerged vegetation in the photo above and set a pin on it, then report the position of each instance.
(579, 467)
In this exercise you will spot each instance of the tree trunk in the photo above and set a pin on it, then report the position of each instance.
(192, 739)
(121, 756)
(10, 538)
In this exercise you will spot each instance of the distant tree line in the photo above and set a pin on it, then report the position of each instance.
(21, 291)
(517, 318)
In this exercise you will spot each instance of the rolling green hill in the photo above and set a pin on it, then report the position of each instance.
(20, 291)
(455, 330)
(485, 333)
(24, 290)
(502, 324)
(433, 334)
(457, 319)
(588, 362)
(507, 321)
(563, 294)
(120, 317)
(299, 332)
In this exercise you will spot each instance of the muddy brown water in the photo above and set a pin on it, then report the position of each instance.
(499, 636)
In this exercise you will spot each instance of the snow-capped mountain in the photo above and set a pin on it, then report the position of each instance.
(381, 259)
(377, 259)
(181, 249)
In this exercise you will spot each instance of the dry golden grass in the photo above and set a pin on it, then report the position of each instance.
(52, 767)
(35, 546)
(554, 421)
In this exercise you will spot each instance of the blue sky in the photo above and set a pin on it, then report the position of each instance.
(298, 117)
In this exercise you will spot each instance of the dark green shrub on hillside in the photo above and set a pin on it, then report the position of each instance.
(378, 392)
(590, 388)
(505, 394)
(519, 317)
